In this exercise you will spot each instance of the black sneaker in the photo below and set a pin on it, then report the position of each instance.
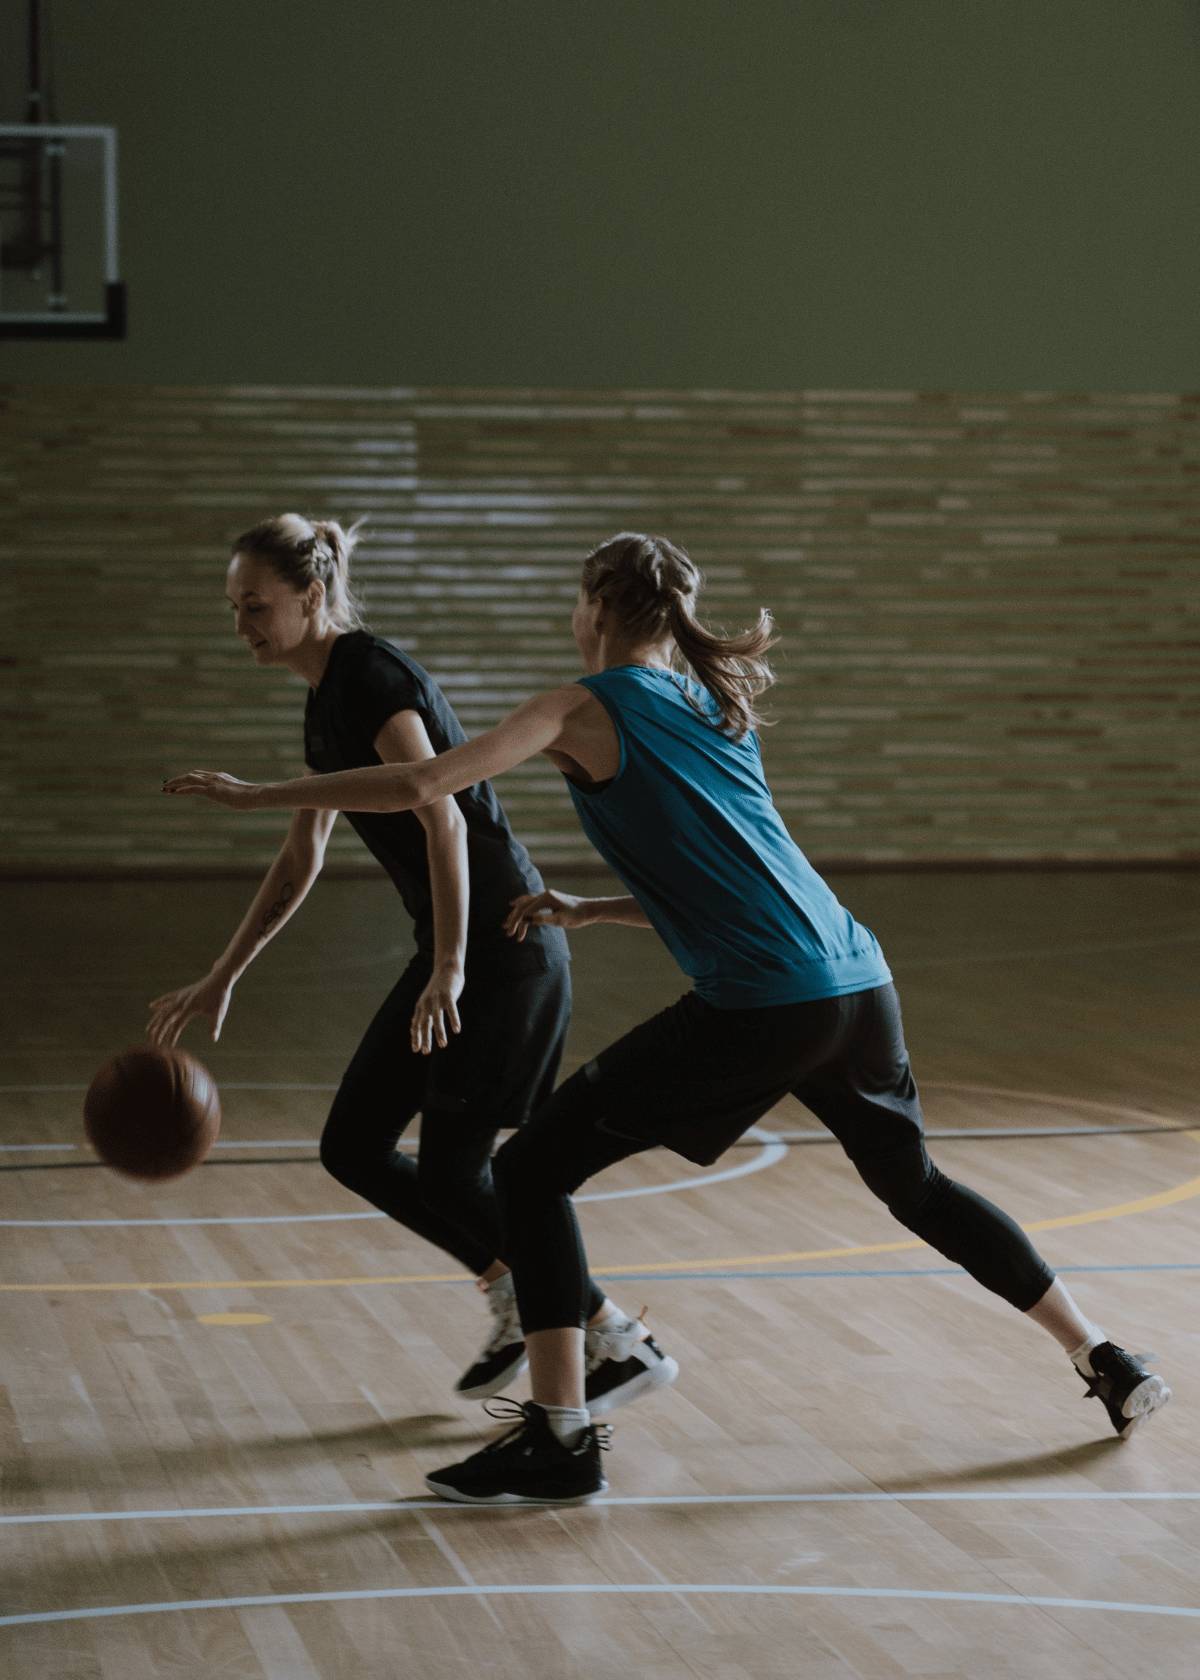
(528, 1466)
(1129, 1391)
(503, 1356)
(621, 1363)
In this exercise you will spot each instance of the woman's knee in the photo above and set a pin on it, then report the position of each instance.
(449, 1181)
(524, 1167)
(337, 1157)
(346, 1149)
(905, 1180)
(508, 1169)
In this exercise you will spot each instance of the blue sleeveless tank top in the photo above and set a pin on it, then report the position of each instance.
(689, 826)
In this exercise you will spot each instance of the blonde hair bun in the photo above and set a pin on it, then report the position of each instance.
(303, 551)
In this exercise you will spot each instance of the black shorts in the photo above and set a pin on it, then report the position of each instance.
(514, 1012)
(694, 1077)
(515, 1015)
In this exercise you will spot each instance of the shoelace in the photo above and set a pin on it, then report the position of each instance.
(505, 1410)
(502, 1407)
(517, 1412)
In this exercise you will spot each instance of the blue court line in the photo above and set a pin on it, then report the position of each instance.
(874, 1272)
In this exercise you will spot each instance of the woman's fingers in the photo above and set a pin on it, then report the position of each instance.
(190, 780)
(157, 1024)
(521, 908)
(172, 1023)
(536, 918)
(170, 1014)
(211, 784)
(434, 1020)
(531, 909)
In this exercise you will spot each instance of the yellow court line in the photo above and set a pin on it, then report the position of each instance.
(1184, 1192)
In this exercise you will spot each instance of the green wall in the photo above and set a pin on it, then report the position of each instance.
(965, 194)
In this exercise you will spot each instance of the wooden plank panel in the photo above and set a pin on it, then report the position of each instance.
(984, 599)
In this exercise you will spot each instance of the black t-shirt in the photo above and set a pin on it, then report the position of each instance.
(366, 681)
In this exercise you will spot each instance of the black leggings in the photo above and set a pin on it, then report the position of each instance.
(695, 1078)
(504, 1062)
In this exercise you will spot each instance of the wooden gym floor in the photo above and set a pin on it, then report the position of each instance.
(219, 1398)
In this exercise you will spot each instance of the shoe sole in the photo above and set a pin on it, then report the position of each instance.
(444, 1491)
(659, 1375)
(1147, 1397)
(487, 1390)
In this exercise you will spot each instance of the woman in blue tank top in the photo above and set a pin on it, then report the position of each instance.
(789, 994)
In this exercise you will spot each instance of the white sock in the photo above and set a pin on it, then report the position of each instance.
(1079, 1356)
(616, 1318)
(568, 1422)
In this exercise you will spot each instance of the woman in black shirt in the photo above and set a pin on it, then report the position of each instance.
(471, 1035)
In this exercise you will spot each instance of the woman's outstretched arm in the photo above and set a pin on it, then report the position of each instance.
(560, 909)
(540, 724)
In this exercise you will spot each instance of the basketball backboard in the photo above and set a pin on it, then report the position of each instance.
(59, 258)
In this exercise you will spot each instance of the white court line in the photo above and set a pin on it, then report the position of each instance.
(770, 1153)
(1054, 1098)
(438, 1539)
(18, 1148)
(938, 1134)
(1023, 1601)
(398, 1507)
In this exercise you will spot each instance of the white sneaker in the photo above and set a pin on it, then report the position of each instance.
(622, 1361)
(503, 1356)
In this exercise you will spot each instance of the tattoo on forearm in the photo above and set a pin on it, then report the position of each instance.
(286, 894)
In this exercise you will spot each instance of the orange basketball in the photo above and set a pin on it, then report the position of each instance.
(152, 1113)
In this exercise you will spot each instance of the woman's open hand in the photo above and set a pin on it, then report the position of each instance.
(170, 1013)
(547, 908)
(436, 1014)
(217, 786)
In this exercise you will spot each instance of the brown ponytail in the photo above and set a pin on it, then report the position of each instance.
(302, 552)
(651, 585)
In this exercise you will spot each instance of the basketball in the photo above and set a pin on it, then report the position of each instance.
(152, 1113)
